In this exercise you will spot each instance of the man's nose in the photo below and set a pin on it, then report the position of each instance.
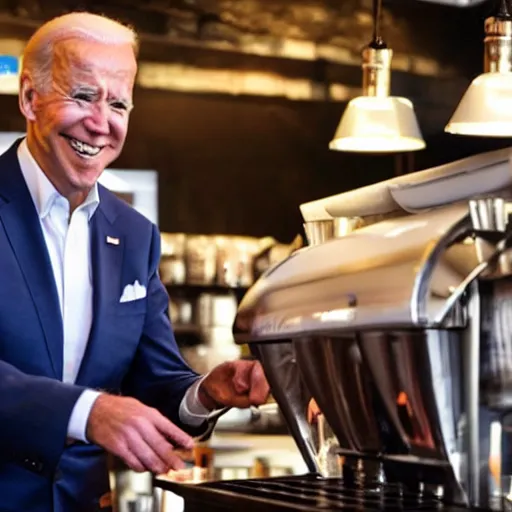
(98, 119)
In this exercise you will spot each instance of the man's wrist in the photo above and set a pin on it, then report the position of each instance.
(205, 398)
(78, 421)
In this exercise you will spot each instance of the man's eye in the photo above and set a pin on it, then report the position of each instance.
(83, 96)
(118, 105)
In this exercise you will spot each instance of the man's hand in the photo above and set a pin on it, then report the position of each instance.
(234, 384)
(139, 435)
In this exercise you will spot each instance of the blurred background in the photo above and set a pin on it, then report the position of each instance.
(236, 101)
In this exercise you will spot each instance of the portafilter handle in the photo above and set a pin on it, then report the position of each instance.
(212, 422)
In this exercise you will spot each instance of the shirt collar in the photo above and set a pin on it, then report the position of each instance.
(41, 189)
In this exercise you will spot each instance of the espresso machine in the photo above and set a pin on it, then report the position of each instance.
(396, 321)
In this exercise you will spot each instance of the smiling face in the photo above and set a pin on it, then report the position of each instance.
(77, 125)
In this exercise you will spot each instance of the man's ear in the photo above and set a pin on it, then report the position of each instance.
(27, 97)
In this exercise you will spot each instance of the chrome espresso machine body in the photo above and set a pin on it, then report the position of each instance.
(400, 329)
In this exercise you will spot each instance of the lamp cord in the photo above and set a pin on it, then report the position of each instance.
(377, 41)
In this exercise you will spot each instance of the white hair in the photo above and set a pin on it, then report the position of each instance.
(38, 53)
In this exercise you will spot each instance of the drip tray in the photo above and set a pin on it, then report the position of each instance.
(306, 492)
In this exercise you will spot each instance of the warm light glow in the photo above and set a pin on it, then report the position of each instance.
(495, 453)
(378, 124)
(486, 108)
(402, 398)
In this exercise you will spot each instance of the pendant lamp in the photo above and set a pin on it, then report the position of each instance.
(486, 107)
(377, 122)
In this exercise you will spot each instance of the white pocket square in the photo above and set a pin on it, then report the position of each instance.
(133, 291)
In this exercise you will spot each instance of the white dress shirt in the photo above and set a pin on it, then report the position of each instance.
(68, 241)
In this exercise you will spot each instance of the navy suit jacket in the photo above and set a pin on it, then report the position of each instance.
(131, 349)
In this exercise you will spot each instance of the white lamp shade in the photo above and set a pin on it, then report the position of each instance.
(485, 108)
(378, 124)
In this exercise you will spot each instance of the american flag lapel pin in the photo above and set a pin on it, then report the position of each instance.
(112, 240)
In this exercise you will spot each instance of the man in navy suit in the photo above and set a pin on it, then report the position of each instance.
(88, 360)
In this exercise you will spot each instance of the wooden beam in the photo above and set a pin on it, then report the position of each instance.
(296, 71)
(163, 47)
(179, 77)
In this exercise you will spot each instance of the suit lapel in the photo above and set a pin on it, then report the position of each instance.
(106, 259)
(19, 218)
